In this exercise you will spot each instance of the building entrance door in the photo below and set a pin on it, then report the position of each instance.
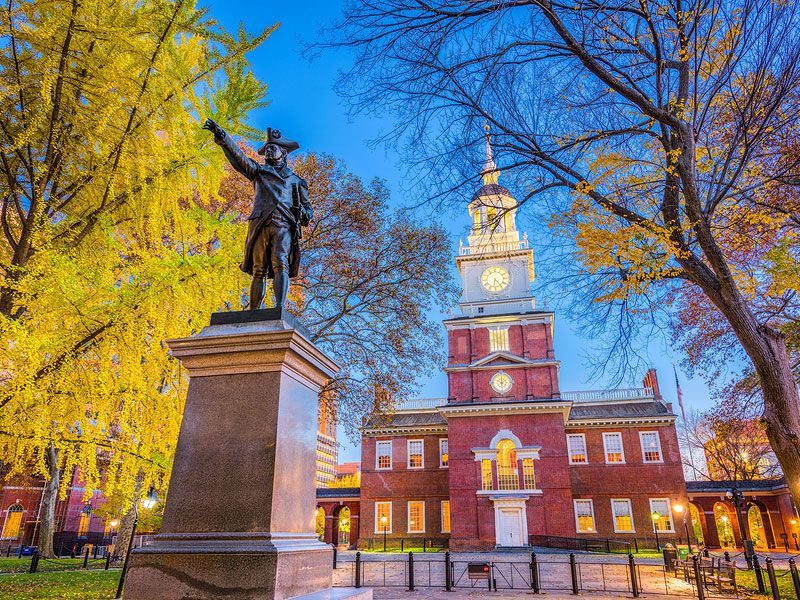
(510, 531)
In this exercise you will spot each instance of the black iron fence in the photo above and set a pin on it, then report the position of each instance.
(584, 544)
(28, 560)
(420, 544)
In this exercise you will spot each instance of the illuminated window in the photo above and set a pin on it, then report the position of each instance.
(612, 442)
(528, 475)
(623, 516)
(651, 446)
(444, 457)
(416, 516)
(498, 339)
(415, 460)
(507, 475)
(13, 522)
(445, 516)
(576, 446)
(661, 514)
(491, 218)
(486, 474)
(383, 453)
(476, 221)
(83, 524)
(383, 517)
(584, 516)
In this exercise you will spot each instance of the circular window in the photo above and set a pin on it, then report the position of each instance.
(501, 382)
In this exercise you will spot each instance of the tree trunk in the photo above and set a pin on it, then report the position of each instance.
(49, 497)
(126, 524)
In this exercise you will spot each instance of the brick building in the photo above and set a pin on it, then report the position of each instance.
(508, 459)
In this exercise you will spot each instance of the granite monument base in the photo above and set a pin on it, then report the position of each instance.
(239, 515)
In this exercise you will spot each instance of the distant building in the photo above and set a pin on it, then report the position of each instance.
(327, 448)
(348, 468)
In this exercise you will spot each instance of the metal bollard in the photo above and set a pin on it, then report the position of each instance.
(759, 575)
(773, 581)
(94, 552)
(698, 577)
(86, 557)
(448, 574)
(424, 544)
(634, 578)
(34, 562)
(705, 553)
(335, 553)
(108, 560)
(795, 577)
(358, 569)
(410, 571)
(636, 545)
(535, 574)
(608, 546)
(8, 551)
(402, 545)
(573, 569)
(727, 556)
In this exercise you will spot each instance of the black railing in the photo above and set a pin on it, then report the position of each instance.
(406, 544)
(584, 544)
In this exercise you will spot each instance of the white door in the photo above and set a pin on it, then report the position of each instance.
(510, 522)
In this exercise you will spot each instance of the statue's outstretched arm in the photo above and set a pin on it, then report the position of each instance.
(239, 161)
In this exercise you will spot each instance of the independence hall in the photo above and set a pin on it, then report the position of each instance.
(508, 459)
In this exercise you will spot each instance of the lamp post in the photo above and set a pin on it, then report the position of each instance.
(656, 516)
(679, 508)
(148, 502)
(737, 498)
(385, 523)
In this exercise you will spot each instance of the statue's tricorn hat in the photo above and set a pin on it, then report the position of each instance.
(274, 137)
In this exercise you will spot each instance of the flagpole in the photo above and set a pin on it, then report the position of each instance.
(689, 449)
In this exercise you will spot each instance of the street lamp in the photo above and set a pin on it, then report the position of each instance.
(737, 498)
(151, 499)
(678, 508)
(656, 516)
(385, 523)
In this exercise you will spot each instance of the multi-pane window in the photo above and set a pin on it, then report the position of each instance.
(486, 474)
(623, 516)
(445, 516)
(498, 339)
(13, 522)
(528, 474)
(576, 446)
(584, 516)
(383, 453)
(415, 460)
(507, 474)
(612, 442)
(661, 514)
(651, 446)
(443, 453)
(416, 516)
(383, 517)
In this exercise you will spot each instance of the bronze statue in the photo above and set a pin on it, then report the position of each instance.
(280, 210)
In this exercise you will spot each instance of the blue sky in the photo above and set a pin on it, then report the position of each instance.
(304, 106)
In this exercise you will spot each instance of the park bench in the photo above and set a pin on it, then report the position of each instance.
(726, 575)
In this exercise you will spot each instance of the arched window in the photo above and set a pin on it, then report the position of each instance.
(13, 522)
(507, 474)
(344, 526)
(476, 220)
(723, 519)
(319, 520)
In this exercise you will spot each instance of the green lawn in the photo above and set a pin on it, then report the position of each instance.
(22, 565)
(84, 585)
(747, 581)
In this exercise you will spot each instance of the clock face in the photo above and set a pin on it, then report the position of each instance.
(501, 382)
(494, 279)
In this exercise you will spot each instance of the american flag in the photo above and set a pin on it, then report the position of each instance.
(680, 392)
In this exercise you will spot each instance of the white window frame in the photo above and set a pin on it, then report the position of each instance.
(378, 528)
(630, 514)
(408, 453)
(379, 443)
(494, 334)
(575, 503)
(450, 515)
(585, 448)
(606, 435)
(669, 514)
(658, 444)
(408, 516)
(442, 442)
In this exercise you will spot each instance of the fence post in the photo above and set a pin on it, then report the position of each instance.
(634, 578)
(94, 551)
(773, 581)
(19, 552)
(608, 546)
(34, 562)
(335, 553)
(358, 569)
(402, 544)
(8, 551)
(727, 556)
(86, 557)
(795, 577)
(108, 559)
(759, 575)
(410, 571)
(573, 569)
(448, 581)
(698, 577)
(534, 573)
(424, 544)
(636, 545)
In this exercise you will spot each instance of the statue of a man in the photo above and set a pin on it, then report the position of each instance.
(280, 209)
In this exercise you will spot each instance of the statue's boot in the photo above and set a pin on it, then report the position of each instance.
(256, 292)
(280, 286)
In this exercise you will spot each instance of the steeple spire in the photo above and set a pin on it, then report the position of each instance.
(489, 173)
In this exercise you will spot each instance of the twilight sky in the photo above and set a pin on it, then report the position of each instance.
(305, 107)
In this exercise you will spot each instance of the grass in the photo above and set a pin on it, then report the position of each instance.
(82, 585)
(21, 565)
(747, 580)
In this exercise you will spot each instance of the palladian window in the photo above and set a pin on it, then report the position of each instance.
(507, 464)
(507, 474)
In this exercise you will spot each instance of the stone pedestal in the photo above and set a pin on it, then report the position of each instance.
(239, 515)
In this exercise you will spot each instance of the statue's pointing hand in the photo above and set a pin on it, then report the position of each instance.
(212, 126)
